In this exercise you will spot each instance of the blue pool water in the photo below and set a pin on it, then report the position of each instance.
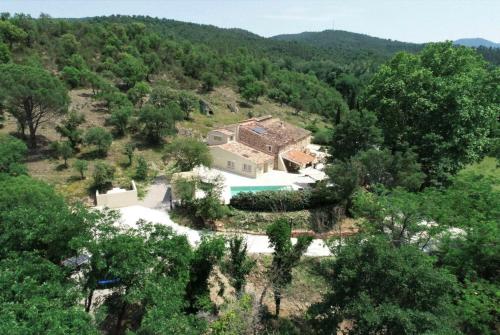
(238, 189)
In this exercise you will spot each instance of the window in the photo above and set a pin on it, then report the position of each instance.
(231, 138)
(217, 138)
(269, 148)
(247, 168)
(230, 165)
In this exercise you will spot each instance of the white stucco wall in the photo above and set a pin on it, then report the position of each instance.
(221, 157)
(118, 199)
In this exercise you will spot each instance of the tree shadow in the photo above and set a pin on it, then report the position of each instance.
(244, 104)
(61, 167)
(92, 155)
(72, 179)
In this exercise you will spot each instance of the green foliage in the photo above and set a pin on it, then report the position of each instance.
(81, 166)
(442, 102)
(120, 119)
(238, 265)
(11, 33)
(349, 86)
(323, 136)
(269, 201)
(208, 254)
(12, 153)
(35, 218)
(63, 150)
(5, 56)
(184, 189)
(404, 217)
(141, 171)
(130, 70)
(187, 102)
(209, 208)
(209, 80)
(137, 93)
(370, 169)
(235, 319)
(99, 138)
(285, 256)
(381, 288)
(71, 76)
(46, 95)
(68, 45)
(188, 153)
(129, 152)
(37, 298)
(357, 131)
(103, 176)
(159, 122)
(69, 128)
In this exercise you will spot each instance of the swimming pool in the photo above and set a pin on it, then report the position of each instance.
(238, 189)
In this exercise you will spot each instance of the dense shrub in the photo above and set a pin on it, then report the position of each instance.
(284, 200)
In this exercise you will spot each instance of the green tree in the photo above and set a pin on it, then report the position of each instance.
(390, 170)
(252, 91)
(35, 218)
(71, 76)
(120, 119)
(209, 80)
(130, 69)
(159, 122)
(285, 256)
(81, 166)
(129, 152)
(188, 153)
(100, 138)
(12, 153)
(63, 150)
(238, 265)
(38, 298)
(384, 289)
(357, 131)
(349, 86)
(103, 176)
(11, 33)
(187, 103)
(5, 56)
(441, 101)
(68, 45)
(141, 171)
(208, 254)
(32, 95)
(69, 128)
(209, 208)
(137, 93)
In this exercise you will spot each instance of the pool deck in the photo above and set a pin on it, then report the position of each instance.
(271, 178)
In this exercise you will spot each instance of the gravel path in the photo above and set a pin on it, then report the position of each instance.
(257, 244)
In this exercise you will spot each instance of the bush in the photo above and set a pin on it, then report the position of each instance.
(141, 172)
(103, 176)
(269, 201)
(100, 138)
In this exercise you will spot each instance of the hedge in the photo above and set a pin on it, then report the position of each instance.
(268, 201)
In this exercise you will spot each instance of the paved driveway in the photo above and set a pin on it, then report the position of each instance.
(158, 196)
(257, 244)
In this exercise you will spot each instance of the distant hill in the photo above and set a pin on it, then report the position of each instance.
(476, 42)
(344, 41)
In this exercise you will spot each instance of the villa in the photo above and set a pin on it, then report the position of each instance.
(259, 145)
